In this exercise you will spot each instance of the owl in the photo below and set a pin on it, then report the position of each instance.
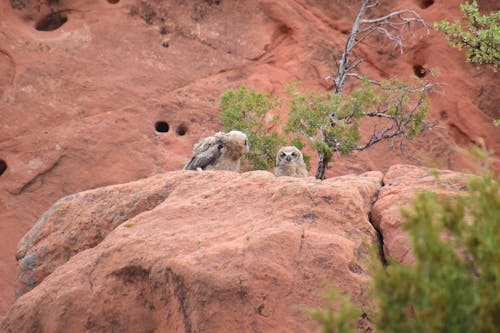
(222, 151)
(289, 162)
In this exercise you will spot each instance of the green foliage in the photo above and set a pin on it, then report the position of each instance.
(247, 111)
(331, 121)
(309, 112)
(342, 321)
(479, 37)
(454, 284)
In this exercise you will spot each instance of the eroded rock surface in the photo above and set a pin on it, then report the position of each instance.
(196, 251)
(83, 84)
(401, 184)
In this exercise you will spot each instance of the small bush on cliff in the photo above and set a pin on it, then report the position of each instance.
(454, 285)
(479, 36)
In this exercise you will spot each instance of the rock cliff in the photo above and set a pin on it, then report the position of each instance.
(102, 92)
(210, 251)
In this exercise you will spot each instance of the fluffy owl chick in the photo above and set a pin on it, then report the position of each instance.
(290, 162)
(222, 151)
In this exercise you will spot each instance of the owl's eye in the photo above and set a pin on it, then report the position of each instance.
(282, 155)
(294, 154)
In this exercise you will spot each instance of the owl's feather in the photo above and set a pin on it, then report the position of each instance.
(205, 153)
(222, 151)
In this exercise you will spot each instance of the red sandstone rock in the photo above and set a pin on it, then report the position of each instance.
(401, 184)
(197, 251)
(81, 221)
(78, 104)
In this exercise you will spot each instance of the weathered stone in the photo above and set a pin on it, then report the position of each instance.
(401, 184)
(220, 251)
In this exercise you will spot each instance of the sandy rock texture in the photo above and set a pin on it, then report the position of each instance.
(101, 92)
(196, 251)
(401, 184)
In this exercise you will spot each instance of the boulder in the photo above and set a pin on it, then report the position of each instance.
(401, 184)
(196, 252)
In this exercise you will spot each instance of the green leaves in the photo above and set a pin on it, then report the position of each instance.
(453, 285)
(309, 112)
(479, 37)
(248, 111)
(334, 119)
(329, 122)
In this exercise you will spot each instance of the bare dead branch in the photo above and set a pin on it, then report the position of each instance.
(351, 41)
(374, 4)
(378, 136)
(359, 77)
(354, 65)
(378, 114)
(398, 41)
(414, 16)
(394, 26)
(335, 60)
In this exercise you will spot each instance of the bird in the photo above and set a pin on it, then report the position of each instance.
(222, 151)
(290, 162)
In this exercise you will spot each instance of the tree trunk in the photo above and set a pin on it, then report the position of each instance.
(322, 165)
(343, 68)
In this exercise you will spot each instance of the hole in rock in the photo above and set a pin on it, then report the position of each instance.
(3, 167)
(425, 3)
(284, 29)
(113, 2)
(51, 22)
(162, 126)
(181, 130)
(419, 70)
(444, 114)
(163, 31)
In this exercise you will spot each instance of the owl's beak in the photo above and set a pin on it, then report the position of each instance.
(288, 158)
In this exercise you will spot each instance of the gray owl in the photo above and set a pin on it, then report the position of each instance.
(222, 151)
(289, 162)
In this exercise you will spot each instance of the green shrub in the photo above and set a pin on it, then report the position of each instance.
(331, 121)
(248, 111)
(479, 37)
(454, 285)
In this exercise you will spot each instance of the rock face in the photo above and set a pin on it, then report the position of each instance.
(212, 251)
(95, 92)
(196, 252)
(82, 221)
(401, 184)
